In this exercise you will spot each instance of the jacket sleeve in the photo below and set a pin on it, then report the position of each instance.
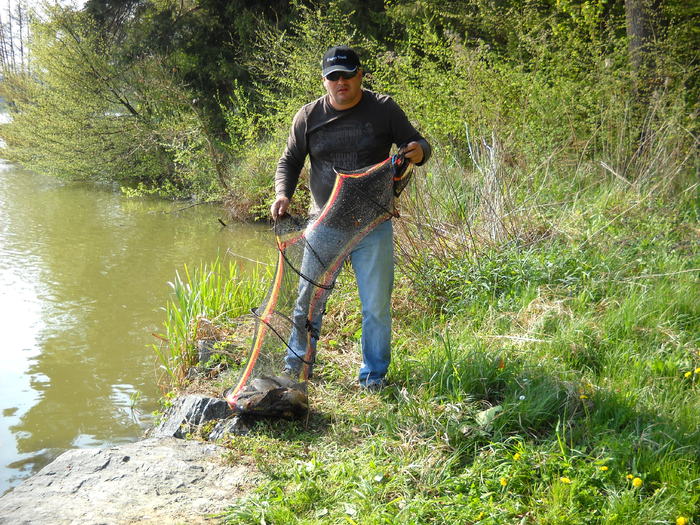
(292, 160)
(404, 132)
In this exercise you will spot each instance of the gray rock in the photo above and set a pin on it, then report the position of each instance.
(205, 349)
(156, 481)
(236, 425)
(188, 412)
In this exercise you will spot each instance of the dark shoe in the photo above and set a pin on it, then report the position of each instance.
(290, 372)
(374, 385)
(294, 374)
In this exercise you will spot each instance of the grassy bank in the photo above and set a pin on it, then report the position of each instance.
(546, 361)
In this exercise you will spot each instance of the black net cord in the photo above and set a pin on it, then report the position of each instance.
(399, 165)
(254, 311)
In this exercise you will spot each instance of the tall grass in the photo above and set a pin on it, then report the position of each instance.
(214, 293)
(571, 402)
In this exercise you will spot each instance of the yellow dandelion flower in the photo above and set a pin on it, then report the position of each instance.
(681, 520)
(516, 456)
(629, 476)
(583, 396)
(637, 482)
(564, 479)
(687, 374)
(503, 482)
(603, 468)
(697, 370)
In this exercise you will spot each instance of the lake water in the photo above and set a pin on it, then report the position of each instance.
(83, 279)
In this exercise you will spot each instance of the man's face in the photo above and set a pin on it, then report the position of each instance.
(344, 93)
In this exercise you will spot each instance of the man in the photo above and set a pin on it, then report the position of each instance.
(350, 128)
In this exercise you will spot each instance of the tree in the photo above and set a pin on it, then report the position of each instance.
(83, 115)
(206, 43)
(14, 34)
(644, 20)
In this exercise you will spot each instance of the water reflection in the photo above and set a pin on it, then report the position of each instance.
(83, 276)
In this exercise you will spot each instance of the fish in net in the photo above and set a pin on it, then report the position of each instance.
(310, 256)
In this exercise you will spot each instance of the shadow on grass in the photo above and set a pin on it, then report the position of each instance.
(307, 430)
(478, 397)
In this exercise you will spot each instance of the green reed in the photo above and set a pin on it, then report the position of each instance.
(215, 293)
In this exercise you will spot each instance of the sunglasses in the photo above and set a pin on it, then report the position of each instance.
(347, 75)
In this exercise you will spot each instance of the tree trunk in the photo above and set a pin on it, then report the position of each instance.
(644, 20)
(12, 60)
(20, 33)
(4, 59)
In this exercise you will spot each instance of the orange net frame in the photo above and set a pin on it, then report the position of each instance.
(310, 256)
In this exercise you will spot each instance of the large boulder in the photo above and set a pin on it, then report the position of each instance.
(157, 481)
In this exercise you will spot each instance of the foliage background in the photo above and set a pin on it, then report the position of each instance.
(194, 98)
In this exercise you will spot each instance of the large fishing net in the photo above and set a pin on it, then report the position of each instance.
(311, 253)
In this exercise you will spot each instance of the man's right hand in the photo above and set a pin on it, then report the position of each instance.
(279, 207)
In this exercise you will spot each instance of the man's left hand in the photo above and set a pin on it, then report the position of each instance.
(413, 152)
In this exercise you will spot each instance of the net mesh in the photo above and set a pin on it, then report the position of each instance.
(310, 256)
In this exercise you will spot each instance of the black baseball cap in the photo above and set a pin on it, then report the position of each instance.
(340, 58)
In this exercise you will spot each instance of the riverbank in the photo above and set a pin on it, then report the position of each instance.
(551, 381)
(558, 383)
(546, 371)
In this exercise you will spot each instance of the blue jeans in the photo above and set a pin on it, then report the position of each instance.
(373, 263)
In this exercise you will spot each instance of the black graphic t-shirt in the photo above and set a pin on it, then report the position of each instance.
(343, 140)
